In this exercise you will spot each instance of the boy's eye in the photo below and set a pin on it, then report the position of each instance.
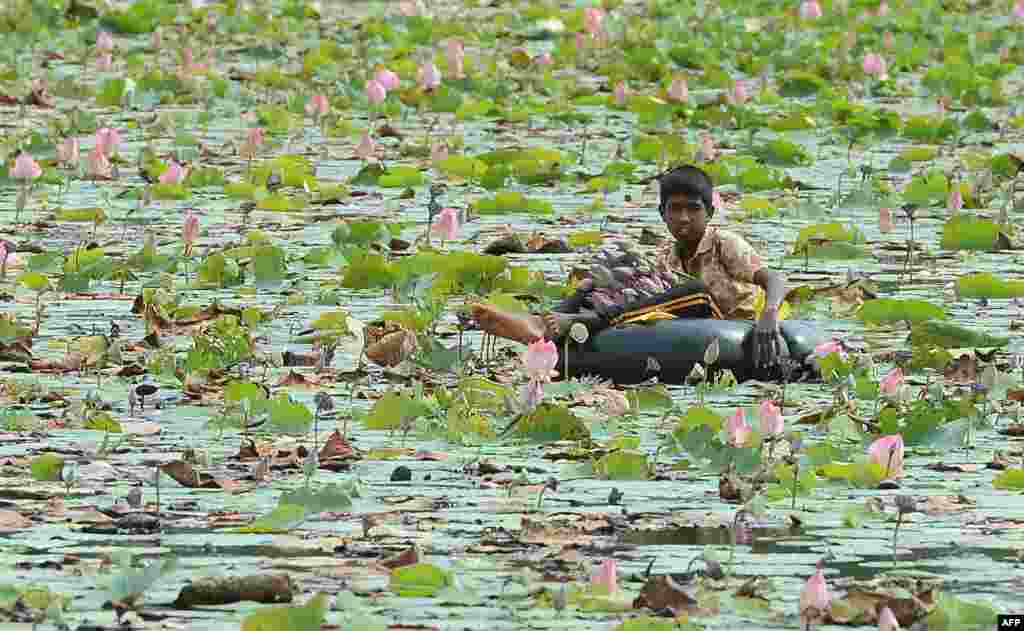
(686, 207)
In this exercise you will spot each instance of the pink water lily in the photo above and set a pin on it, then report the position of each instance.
(375, 92)
(810, 10)
(607, 576)
(174, 174)
(887, 621)
(678, 90)
(772, 423)
(456, 58)
(446, 224)
(737, 428)
(827, 348)
(885, 224)
(429, 77)
(318, 106)
(388, 79)
(25, 168)
(540, 359)
(874, 65)
(887, 452)
(815, 597)
(890, 384)
(108, 140)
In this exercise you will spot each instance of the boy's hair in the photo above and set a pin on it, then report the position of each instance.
(688, 180)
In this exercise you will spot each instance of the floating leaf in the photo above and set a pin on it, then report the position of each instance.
(948, 335)
(47, 468)
(963, 232)
(1010, 480)
(985, 285)
(551, 422)
(391, 410)
(623, 465)
(891, 310)
(308, 617)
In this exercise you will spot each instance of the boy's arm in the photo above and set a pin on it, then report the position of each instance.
(767, 342)
(774, 285)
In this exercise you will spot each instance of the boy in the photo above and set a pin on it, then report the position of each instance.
(708, 272)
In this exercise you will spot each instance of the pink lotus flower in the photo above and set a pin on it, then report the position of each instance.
(883, 9)
(738, 94)
(530, 396)
(544, 60)
(874, 65)
(108, 140)
(827, 348)
(67, 151)
(456, 58)
(593, 21)
(890, 384)
(887, 621)
(429, 77)
(540, 359)
(366, 148)
(810, 10)
(888, 40)
(189, 231)
(1018, 10)
(737, 428)
(887, 452)
(104, 42)
(771, 418)
(318, 106)
(105, 62)
(173, 175)
(606, 577)
(447, 224)
(255, 137)
(25, 168)
(375, 92)
(439, 152)
(98, 164)
(814, 597)
(678, 90)
(621, 93)
(885, 220)
(707, 148)
(956, 200)
(388, 79)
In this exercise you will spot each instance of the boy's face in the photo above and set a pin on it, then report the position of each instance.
(686, 218)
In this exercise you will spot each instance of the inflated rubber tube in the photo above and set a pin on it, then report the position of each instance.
(622, 354)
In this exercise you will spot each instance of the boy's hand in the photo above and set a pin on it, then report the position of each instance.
(768, 343)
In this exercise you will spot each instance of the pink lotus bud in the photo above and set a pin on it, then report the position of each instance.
(737, 428)
(1018, 10)
(814, 597)
(883, 9)
(25, 168)
(678, 90)
(104, 42)
(366, 148)
(887, 452)
(446, 224)
(158, 39)
(956, 200)
(772, 423)
(581, 41)
(318, 106)
(544, 60)
(388, 79)
(530, 395)
(456, 58)
(851, 38)
(827, 348)
(885, 220)
(887, 621)
(888, 40)
(190, 230)
(98, 164)
(429, 77)
(540, 359)
(105, 62)
(707, 148)
(255, 137)
(375, 92)
(874, 64)
(738, 94)
(606, 577)
(621, 93)
(108, 140)
(890, 384)
(810, 10)
(173, 175)
(593, 21)
(410, 8)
